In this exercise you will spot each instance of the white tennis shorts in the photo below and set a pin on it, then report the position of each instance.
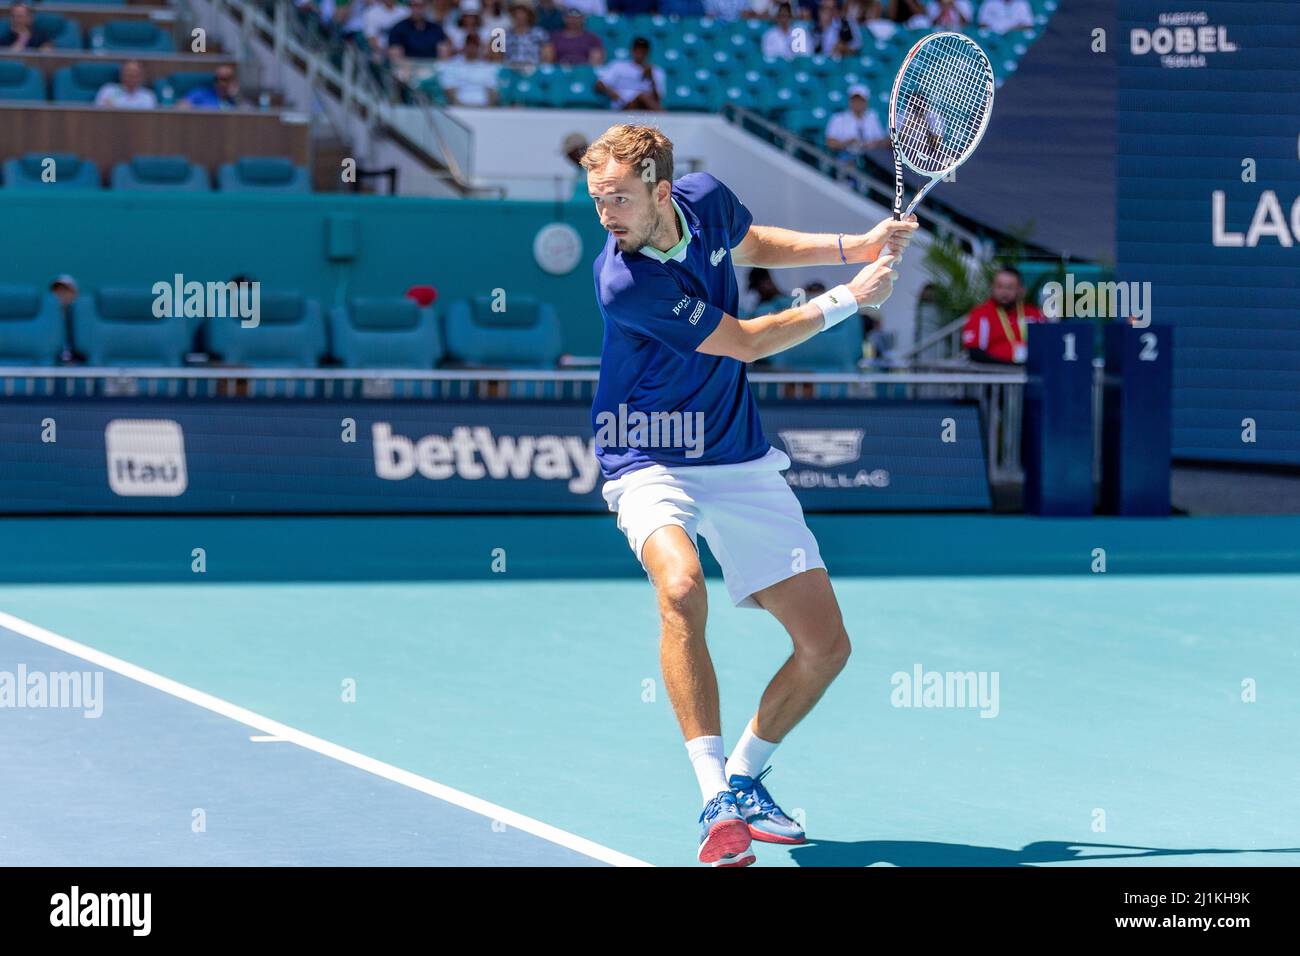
(746, 512)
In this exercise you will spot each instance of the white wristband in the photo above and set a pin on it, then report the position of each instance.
(836, 304)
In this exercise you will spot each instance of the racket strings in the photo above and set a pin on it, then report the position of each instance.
(942, 103)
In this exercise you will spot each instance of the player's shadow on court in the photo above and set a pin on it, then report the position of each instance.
(915, 853)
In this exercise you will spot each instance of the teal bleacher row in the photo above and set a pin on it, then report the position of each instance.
(118, 327)
(80, 82)
(142, 36)
(154, 173)
(710, 63)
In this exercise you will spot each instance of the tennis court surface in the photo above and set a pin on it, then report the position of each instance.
(274, 711)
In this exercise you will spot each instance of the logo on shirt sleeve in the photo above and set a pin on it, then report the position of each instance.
(677, 309)
(695, 316)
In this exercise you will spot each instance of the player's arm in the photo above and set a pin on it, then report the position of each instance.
(775, 248)
(752, 339)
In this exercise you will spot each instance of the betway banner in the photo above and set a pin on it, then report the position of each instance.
(221, 455)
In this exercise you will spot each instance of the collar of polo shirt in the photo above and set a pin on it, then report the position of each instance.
(677, 252)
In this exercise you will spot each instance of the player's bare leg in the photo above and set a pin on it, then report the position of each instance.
(806, 607)
(674, 568)
(692, 685)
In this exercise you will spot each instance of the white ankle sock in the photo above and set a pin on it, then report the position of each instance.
(751, 754)
(707, 758)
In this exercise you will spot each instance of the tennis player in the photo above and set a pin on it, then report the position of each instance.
(682, 451)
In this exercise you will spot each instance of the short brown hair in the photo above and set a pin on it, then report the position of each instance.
(631, 146)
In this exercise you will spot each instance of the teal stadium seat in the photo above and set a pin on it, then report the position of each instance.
(263, 174)
(575, 88)
(836, 350)
(65, 32)
(20, 82)
(80, 82)
(139, 35)
(116, 326)
(385, 333)
(525, 336)
(174, 173)
(290, 333)
(31, 326)
(70, 172)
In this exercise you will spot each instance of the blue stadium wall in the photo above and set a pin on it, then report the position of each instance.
(1203, 88)
(321, 245)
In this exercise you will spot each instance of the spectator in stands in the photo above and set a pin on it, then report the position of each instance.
(851, 132)
(632, 8)
(469, 21)
(417, 36)
(762, 294)
(837, 36)
(496, 16)
(65, 290)
(682, 8)
(468, 78)
(633, 84)
(768, 9)
(550, 15)
(525, 40)
(996, 330)
(573, 147)
(575, 45)
(130, 93)
(343, 18)
(378, 19)
(21, 32)
(1003, 16)
(728, 9)
(590, 8)
(870, 16)
(785, 41)
(223, 94)
(907, 11)
(949, 14)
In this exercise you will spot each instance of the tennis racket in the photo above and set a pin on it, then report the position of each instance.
(939, 109)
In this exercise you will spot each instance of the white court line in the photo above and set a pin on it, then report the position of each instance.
(267, 740)
(342, 754)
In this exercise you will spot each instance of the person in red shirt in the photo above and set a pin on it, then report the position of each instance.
(996, 330)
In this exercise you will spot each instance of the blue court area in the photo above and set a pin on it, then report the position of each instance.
(491, 718)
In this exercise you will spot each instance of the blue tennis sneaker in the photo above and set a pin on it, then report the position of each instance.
(724, 837)
(767, 822)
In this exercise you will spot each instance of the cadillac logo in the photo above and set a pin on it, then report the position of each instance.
(824, 447)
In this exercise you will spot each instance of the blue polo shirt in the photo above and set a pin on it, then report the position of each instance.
(657, 308)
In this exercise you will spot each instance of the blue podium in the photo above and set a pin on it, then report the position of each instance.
(1057, 442)
(1137, 420)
